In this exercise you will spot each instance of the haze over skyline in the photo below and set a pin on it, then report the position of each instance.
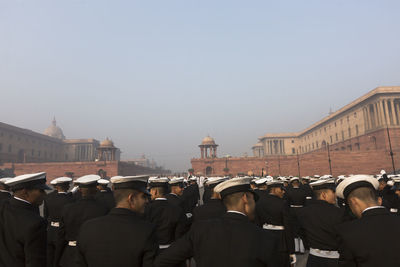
(158, 76)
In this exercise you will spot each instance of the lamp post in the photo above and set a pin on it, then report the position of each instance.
(391, 151)
(329, 160)
(298, 163)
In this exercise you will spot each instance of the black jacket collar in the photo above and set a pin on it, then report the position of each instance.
(375, 211)
(23, 205)
(236, 216)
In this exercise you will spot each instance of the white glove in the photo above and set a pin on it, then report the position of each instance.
(293, 259)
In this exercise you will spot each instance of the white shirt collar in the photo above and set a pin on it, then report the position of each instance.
(62, 192)
(23, 200)
(160, 198)
(103, 191)
(373, 207)
(238, 212)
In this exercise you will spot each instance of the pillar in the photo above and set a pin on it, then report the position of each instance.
(394, 116)
(381, 113)
(397, 107)
(215, 152)
(378, 121)
(387, 112)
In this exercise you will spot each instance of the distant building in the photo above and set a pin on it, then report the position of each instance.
(20, 145)
(357, 138)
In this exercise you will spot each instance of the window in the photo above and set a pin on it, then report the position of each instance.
(357, 146)
(33, 152)
(66, 156)
(292, 141)
(312, 145)
(325, 129)
(316, 143)
(355, 114)
(9, 148)
(1, 147)
(341, 121)
(356, 129)
(19, 138)
(293, 152)
(337, 138)
(11, 136)
(2, 134)
(349, 132)
(342, 135)
(348, 118)
(331, 139)
(38, 153)
(335, 123)
(350, 147)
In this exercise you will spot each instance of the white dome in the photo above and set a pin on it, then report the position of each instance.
(54, 131)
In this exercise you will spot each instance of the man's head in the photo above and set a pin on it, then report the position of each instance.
(327, 195)
(88, 185)
(158, 192)
(359, 191)
(241, 201)
(177, 185)
(237, 195)
(102, 184)
(34, 196)
(64, 187)
(324, 189)
(362, 198)
(277, 191)
(130, 192)
(131, 199)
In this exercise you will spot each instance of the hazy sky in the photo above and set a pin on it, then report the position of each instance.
(158, 76)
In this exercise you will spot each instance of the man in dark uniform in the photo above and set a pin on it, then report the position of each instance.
(176, 188)
(126, 239)
(318, 221)
(396, 189)
(52, 209)
(170, 222)
(191, 196)
(207, 194)
(305, 185)
(272, 213)
(5, 193)
(261, 187)
(22, 230)
(371, 240)
(105, 195)
(214, 208)
(232, 240)
(296, 198)
(387, 195)
(73, 216)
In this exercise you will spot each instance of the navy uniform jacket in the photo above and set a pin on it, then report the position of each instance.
(318, 221)
(170, 222)
(191, 196)
(214, 208)
(296, 196)
(231, 240)
(4, 195)
(106, 198)
(370, 241)
(22, 235)
(275, 211)
(73, 216)
(54, 204)
(120, 239)
(175, 200)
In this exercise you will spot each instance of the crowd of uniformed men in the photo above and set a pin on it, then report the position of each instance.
(160, 221)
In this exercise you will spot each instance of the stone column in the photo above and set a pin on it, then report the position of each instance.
(365, 119)
(382, 115)
(378, 121)
(387, 112)
(398, 111)
(202, 152)
(394, 116)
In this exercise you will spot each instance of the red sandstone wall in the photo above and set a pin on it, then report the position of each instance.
(58, 169)
(369, 159)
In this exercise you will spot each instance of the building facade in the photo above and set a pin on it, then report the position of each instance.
(358, 138)
(20, 145)
(378, 109)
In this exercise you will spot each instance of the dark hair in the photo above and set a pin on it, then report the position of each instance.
(365, 194)
(232, 199)
(317, 193)
(121, 194)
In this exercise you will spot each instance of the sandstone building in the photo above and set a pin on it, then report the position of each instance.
(356, 136)
(20, 145)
